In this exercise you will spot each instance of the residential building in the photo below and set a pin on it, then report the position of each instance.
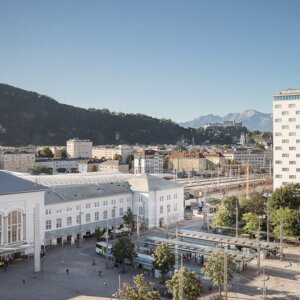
(64, 165)
(286, 137)
(109, 152)
(79, 148)
(100, 165)
(148, 162)
(17, 161)
(187, 162)
(214, 160)
(255, 158)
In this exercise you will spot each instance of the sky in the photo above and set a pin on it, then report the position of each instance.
(167, 59)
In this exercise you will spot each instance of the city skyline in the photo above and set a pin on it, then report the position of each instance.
(170, 59)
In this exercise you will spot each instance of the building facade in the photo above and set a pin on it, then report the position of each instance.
(67, 165)
(192, 162)
(109, 152)
(286, 137)
(79, 148)
(21, 162)
(148, 162)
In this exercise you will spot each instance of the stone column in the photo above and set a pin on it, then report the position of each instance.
(37, 238)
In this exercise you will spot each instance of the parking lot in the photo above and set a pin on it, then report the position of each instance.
(54, 283)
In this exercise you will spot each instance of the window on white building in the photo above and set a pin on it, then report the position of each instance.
(161, 198)
(121, 200)
(292, 134)
(292, 105)
(88, 218)
(175, 207)
(285, 155)
(78, 207)
(97, 216)
(69, 221)
(278, 176)
(113, 213)
(140, 210)
(48, 224)
(48, 211)
(88, 205)
(292, 119)
(278, 162)
(292, 162)
(78, 219)
(121, 211)
(161, 209)
(285, 141)
(105, 214)
(278, 120)
(96, 204)
(58, 223)
(285, 112)
(278, 148)
(285, 127)
(292, 148)
(278, 105)
(285, 169)
(168, 208)
(292, 176)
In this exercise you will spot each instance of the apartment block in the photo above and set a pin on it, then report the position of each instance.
(79, 148)
(286, 137)
(17, 161)
(148, 162)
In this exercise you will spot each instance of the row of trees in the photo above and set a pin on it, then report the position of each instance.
(283, 207)
(183, 281)
(47, 153)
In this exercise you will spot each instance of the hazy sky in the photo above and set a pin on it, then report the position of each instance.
(164, 58)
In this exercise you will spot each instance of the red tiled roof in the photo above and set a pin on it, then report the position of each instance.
(147, 152)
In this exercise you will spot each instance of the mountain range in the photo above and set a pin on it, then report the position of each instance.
(30, 118)
(250, 118)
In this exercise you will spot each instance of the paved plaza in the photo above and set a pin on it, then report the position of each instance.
(54, 283)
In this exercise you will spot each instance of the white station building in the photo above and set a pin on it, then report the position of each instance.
(49, 210)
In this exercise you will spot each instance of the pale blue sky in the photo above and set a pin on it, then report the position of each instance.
(173, 59)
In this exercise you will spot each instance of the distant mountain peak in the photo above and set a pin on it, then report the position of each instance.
(251, 118)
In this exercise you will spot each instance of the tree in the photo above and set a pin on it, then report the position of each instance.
(286, 196)
(117, 157)
(166, 162)
(124, 250)
(226, 213)
(287, 217)
(129, 161)
(191, 285)
(128, 218)
(141, 290)
(164, 259)
(39, 169)
(99, 233)
(252, 221)
(214, 268)
(256, 204)
(45, 152)
(94, 168)
(61, 153)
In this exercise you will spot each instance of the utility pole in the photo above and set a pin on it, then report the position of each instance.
(176, 251)
(264, 295)
(181, 280)
(106, 256)
(281, 241)
(258, 246)
(236, 219)
(268, 221)
(225, 274)
(138, 227)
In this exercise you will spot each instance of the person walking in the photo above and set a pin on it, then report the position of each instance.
(67, 271)
(23, 281)
(105, 283)
(100, 273)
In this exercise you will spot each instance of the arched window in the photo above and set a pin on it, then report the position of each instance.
(14, 228)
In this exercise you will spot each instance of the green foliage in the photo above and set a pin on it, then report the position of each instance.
(61, 153)
(129, 161)
(252, 221)
(166, 162)
(256, 204)
(286, 196)
(94, 168)
(124, 249)
(141, 290)
(288, 217)
(225, 216)
(191, 284)
(164, 259)
(117, 157)
(214, 268)
(36, 170)
(99, 233)
(45, 152)
(128, 218)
